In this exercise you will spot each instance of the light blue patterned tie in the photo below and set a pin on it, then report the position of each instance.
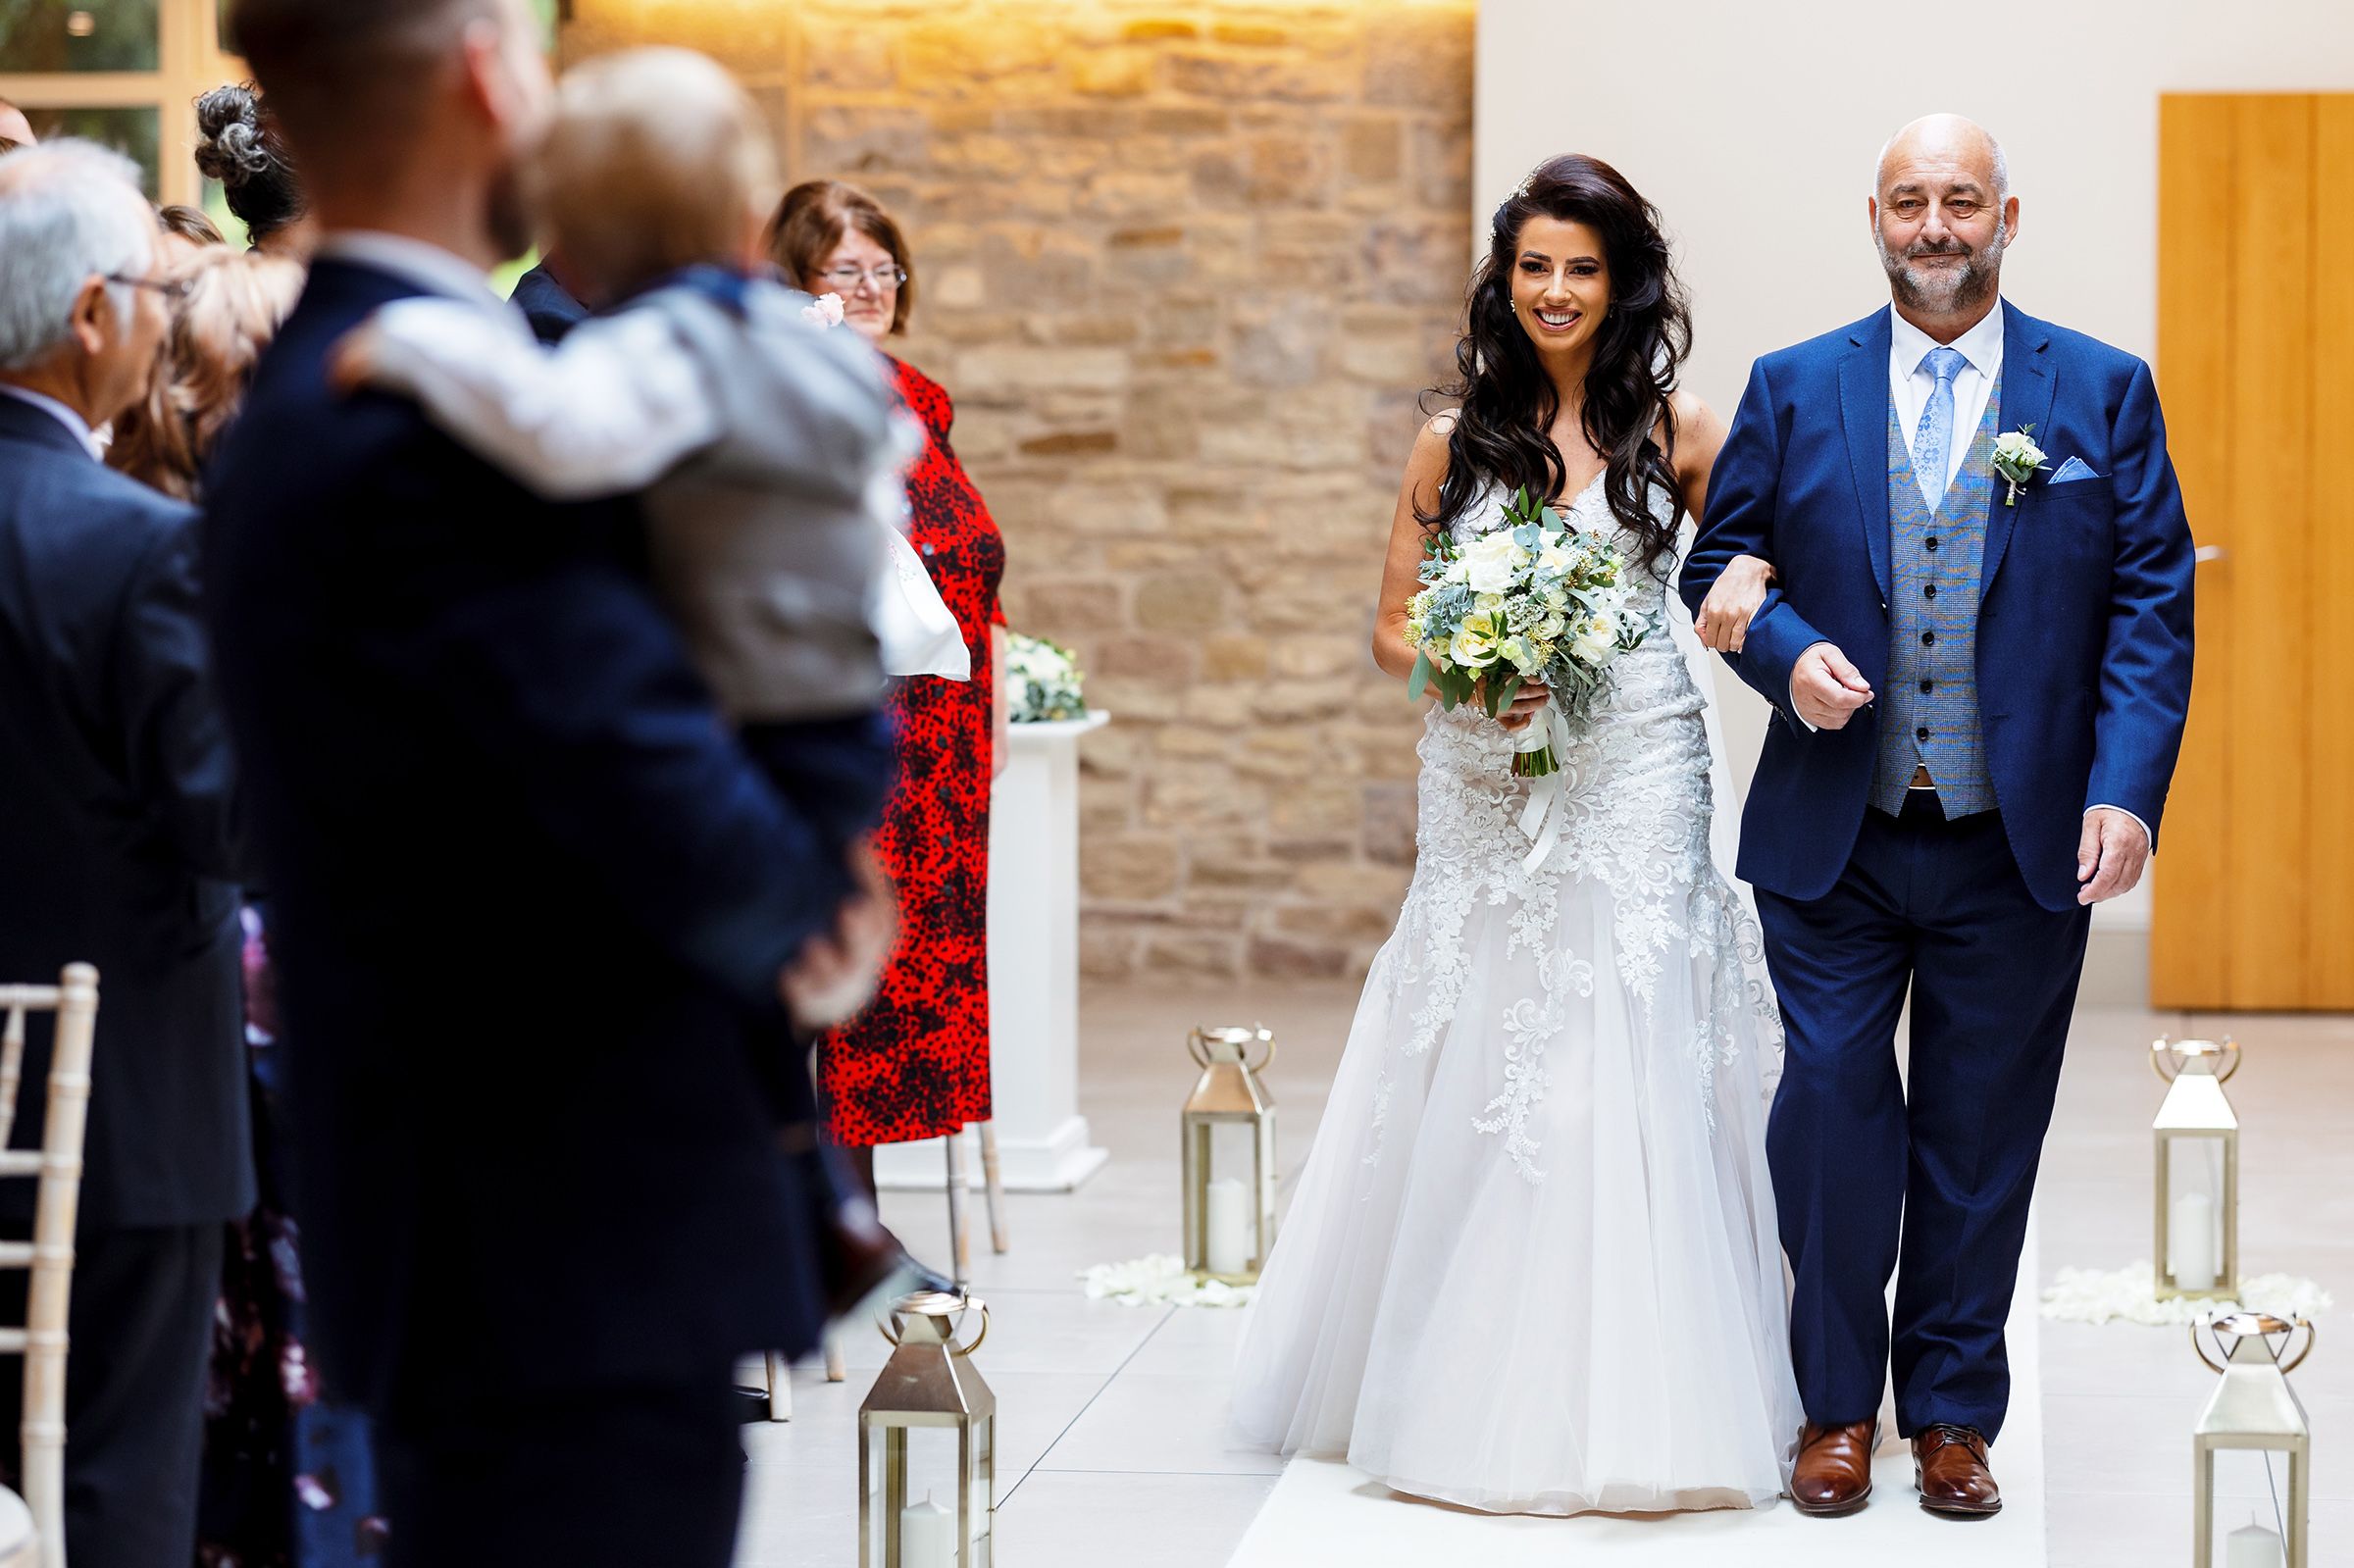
(1934, 439)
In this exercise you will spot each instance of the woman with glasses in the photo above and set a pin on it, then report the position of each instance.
(915, 1063)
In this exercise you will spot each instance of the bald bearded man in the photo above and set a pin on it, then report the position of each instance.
(1979, 689)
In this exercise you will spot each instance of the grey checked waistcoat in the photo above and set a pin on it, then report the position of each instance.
(1929, 711)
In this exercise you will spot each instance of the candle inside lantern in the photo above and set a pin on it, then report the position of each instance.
(2190, 1237)
(928, 1536)
(2252, 1547)
(1229, 1223)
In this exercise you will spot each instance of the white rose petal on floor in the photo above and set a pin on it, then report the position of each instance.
(1161, 1280)
(2098, 1295)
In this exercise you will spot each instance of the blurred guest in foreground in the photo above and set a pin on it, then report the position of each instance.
(505, 830)
(15, 130)
(267, 1440)
(230, 305)
(915, 1063)
(237, 143)
(115, 848)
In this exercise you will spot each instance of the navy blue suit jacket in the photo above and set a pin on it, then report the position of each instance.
(529, 903)
(545, 304)
(2084, 619)
(116, 842)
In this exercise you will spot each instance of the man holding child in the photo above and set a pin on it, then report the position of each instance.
(541, 919)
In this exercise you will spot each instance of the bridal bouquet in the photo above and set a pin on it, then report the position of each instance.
(1534, 601)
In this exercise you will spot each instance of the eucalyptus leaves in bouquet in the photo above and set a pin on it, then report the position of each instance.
(1532, 600)
(1041, 680)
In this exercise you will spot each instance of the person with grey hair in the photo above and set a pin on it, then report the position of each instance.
(116, 849)
(1977, 645)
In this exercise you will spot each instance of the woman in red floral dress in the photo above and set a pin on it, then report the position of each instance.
(915, 1063)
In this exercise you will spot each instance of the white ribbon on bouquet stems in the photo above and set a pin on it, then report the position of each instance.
(1548, 805)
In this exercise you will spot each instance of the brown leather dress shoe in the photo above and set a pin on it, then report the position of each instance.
(1833, 1472)
(1949, 1466)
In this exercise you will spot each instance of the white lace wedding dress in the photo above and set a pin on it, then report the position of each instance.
(1531, 1264)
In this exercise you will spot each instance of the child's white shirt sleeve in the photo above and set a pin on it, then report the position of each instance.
(606, 411)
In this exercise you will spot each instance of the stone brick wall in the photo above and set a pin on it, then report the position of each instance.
(1185, 269)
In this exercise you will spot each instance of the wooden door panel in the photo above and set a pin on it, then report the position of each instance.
(2271, 369)
(2255, 895)
(2197, 145)
(2329, 941)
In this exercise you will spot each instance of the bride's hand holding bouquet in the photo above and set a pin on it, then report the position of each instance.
(1533, 609)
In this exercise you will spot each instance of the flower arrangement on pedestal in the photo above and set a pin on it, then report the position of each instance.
(1043, 680)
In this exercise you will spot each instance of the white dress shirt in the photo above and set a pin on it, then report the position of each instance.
(1910, 383)
(62, 414)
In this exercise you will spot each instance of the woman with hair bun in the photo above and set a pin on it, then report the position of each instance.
(237, 144)
(1531, 1264)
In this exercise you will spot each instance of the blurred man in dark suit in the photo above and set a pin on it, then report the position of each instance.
(115, 848)
(540, 920)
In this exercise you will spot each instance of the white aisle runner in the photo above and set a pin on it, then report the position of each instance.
(1328, 1511)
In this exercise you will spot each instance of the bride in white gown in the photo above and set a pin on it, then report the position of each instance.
(1531, 1263)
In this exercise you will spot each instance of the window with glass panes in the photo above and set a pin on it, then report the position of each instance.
(126, 73)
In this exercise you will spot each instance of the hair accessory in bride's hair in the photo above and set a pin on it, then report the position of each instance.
(1526, 181)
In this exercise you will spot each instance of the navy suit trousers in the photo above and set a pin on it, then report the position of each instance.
(1929, 1176)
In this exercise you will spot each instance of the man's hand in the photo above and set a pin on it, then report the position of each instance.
(2110, 855)
(834, 973)
(1733, 598)
(354, 357)
(1825, 688)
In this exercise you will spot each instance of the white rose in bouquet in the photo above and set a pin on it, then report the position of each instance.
(1493, 560)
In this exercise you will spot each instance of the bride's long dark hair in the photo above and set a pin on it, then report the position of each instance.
(1506, 403)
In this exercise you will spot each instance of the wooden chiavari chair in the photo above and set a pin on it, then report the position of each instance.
(33, 1529)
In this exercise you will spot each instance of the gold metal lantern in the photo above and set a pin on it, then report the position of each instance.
(1229, 1223)
(2197, 1188)
(2252, 1408)
(929, 1381)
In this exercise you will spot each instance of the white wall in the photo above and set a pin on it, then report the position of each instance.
(1753, 127)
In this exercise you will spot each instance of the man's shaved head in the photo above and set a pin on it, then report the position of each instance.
(1945, 139)
(14, 126)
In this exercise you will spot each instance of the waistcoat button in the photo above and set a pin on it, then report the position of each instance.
(1930, 542)
(1929, 591)
(1928, 640)
(1923, 734)
(1929, 686)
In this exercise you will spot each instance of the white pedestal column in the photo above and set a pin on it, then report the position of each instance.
(1033, 979)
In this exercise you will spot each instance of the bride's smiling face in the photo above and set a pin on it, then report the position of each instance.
(1561, 284)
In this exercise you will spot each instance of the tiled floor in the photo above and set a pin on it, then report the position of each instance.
(2120, 1400)
(1110, 1415)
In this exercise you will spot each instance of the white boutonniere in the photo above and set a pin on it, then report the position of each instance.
(2016, 459)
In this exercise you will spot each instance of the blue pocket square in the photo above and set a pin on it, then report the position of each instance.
(2076, 468)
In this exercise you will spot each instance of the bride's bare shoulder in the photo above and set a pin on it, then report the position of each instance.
(1427, 463)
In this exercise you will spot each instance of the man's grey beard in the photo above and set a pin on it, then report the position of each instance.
(1943, 293)
(509, 217)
